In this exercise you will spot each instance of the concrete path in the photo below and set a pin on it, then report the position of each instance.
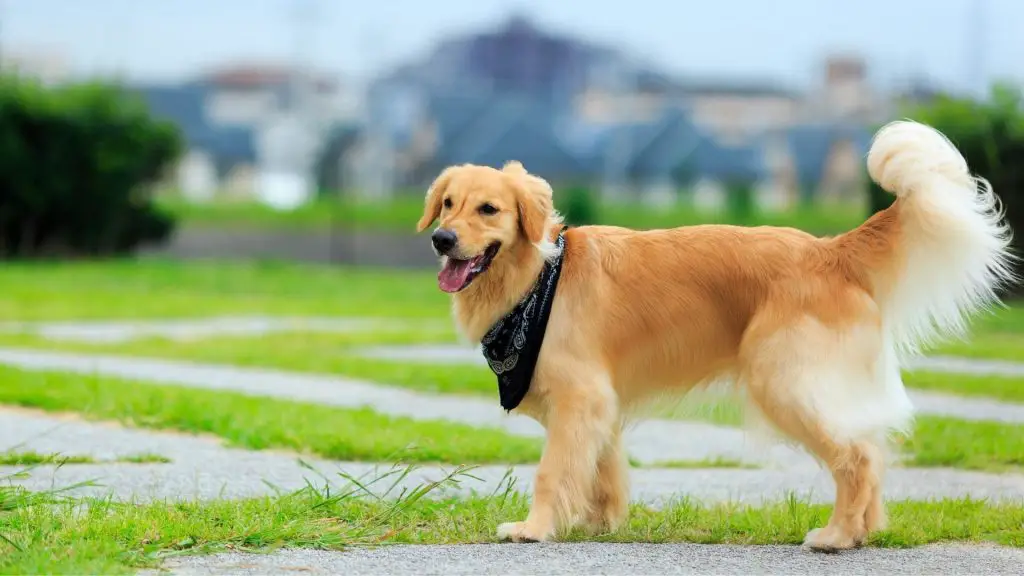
(202, 468)
(461, 354)
(117, 331)
(121, 331)
(649, 442)
(973, 366)
(606, 558)
(935, 403)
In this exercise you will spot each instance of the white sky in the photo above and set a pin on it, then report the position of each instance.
(783, 39)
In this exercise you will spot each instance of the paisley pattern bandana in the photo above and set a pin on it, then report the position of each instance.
(512, 346)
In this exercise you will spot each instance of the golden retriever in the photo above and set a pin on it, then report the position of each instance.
(812, 329)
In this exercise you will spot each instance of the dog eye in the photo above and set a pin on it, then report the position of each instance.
(488, 209)
(447, 202)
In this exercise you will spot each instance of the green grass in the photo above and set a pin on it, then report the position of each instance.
(263, 423)
(987, 344)
(704, 463)
(949, 442)
(31, 458)
(110, 538)
(400, 215)
(162, 289)
(1006, 389)
(997, 336)
(144, 458)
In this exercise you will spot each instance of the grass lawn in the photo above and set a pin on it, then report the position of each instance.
(949, 442)
(130, 289)
(700, 464)
(1004, 388)
(163, 289)
(262, 423)
(401, 214)
(997, 336)
(109, 537)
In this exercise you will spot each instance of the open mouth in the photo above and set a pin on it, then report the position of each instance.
(457, 274)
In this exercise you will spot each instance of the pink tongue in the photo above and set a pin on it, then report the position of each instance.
(454, 274)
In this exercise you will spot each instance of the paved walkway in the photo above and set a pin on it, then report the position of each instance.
(613, 559)
(648, 442)
(202, 468)
(935, 403)
(462, 354)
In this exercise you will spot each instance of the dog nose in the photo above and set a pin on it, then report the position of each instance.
(443, 240)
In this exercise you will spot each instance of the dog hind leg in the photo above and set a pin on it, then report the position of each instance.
(832, 390)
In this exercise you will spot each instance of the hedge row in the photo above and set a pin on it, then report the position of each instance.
(76, 166)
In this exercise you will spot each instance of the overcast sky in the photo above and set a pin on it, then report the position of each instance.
(783, 39)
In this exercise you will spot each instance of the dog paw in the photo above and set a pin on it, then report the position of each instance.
(522, 532)
(830, 539)
(604, 522)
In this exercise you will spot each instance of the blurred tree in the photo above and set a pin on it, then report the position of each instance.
(578, 205)
(990, 135)
(76, 167)
(740, 199)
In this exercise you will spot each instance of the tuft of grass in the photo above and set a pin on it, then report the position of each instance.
(144, 458)
(31, 458)
(260, 423)
(718, 462)
(103, 536)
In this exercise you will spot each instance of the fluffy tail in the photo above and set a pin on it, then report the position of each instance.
(944, 244)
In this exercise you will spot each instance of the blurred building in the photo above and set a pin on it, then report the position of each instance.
(252, 130)
(47, 66)
(574, 112)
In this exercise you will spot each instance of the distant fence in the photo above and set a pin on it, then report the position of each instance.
(348, 247)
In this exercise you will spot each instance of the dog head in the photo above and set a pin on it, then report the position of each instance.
(486, 215)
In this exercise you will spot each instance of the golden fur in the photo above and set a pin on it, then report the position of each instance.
(812, 328)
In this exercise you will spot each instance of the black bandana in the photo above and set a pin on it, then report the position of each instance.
(512, 346)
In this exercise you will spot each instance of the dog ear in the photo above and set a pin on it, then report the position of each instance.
(432, 204)
(514, 167)
(534, 198)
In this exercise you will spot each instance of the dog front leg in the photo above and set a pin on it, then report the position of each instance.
(580, 423)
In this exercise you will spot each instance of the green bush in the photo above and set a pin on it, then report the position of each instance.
(878, 199)
(990, 135)
(740, 200)
(578, 206)
(76, 167)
